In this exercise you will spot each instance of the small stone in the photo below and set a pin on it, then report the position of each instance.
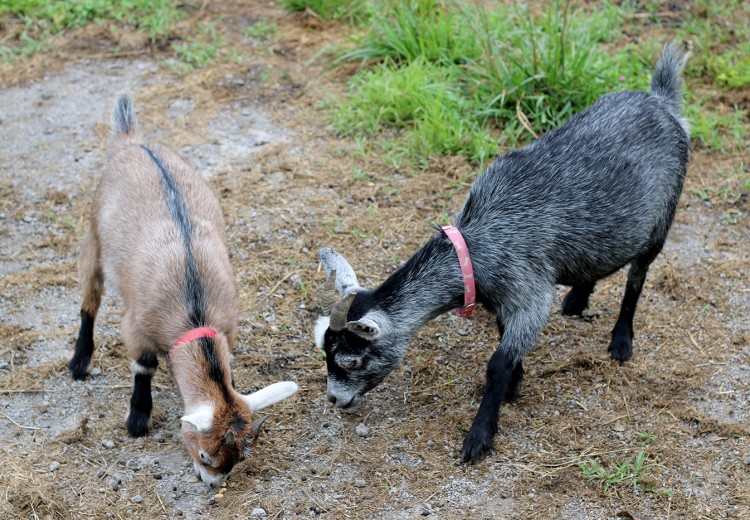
(259, 489)
(217, 496)
(258, 512)
(115, 488)
(359, 483)
(157, 476)
(102, 490)
(109, 444)
(137, 499)
(54, 465)
(212, 502)
(362, 430)
(746, 459)
(96, 371)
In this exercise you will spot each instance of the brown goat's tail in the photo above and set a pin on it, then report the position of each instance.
(124, 123)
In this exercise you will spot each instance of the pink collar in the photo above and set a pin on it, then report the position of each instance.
(470, 291)
(200, 332)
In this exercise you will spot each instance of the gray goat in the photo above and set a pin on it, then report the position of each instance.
(571, 208)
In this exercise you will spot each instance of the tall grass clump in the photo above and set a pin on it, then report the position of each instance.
(542, 69)
(407, 30)
(422, 103)
(503, 74)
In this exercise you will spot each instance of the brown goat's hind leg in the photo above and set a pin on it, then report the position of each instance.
(92, 283)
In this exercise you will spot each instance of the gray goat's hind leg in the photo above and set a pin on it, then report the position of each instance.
(621, 346)
(577, 299)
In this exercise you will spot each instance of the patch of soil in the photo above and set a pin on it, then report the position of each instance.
(287, 187)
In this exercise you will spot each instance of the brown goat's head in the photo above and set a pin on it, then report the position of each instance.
(218, 437)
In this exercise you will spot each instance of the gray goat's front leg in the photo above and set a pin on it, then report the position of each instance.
(504, 373)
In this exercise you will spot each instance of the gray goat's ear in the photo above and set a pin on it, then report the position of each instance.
(346, 280)
(366, 328)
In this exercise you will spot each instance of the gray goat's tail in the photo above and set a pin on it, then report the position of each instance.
(123, 118)
(666, 80)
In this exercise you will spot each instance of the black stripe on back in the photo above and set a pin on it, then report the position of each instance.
(194, 293)
(215, 372)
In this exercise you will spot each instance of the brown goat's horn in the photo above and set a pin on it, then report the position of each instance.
(329, 297)
(339, 312)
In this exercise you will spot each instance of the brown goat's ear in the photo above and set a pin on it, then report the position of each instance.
(229, 437)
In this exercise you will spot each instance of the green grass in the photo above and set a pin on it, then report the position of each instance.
(330, 9)
(201, 50)
(716, 131)
(158, 17)
(155, 16)
(422, 102)
(260, 30)
(450, 78)
(729, 188)
(43, 18)
(722, 54)
(636, 474)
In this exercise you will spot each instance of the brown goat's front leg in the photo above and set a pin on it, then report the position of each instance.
(92, 283)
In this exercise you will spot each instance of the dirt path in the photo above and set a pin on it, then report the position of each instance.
(288, 188)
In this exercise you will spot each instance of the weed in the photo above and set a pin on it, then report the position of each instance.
(714, 130)
(261, 30)
(201, 51)
(627, 473)
(351, 10)
(156, 16)
(729, 188)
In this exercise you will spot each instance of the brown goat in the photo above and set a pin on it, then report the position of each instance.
(157, 236)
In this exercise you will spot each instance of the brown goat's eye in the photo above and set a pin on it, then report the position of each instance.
(352, 364)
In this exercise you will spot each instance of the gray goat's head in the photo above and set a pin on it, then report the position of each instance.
(360, 353)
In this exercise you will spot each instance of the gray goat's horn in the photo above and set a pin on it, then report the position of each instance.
(329, 296)
(339, 312)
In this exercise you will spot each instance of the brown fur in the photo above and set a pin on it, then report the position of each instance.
(136, 246)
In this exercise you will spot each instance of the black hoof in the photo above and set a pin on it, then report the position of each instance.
(621, 347)
(137, 423)
(477, 445)
(573, 304)
(79, 367)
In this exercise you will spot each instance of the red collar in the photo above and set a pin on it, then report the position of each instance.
(200, 332)
(470, 291)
